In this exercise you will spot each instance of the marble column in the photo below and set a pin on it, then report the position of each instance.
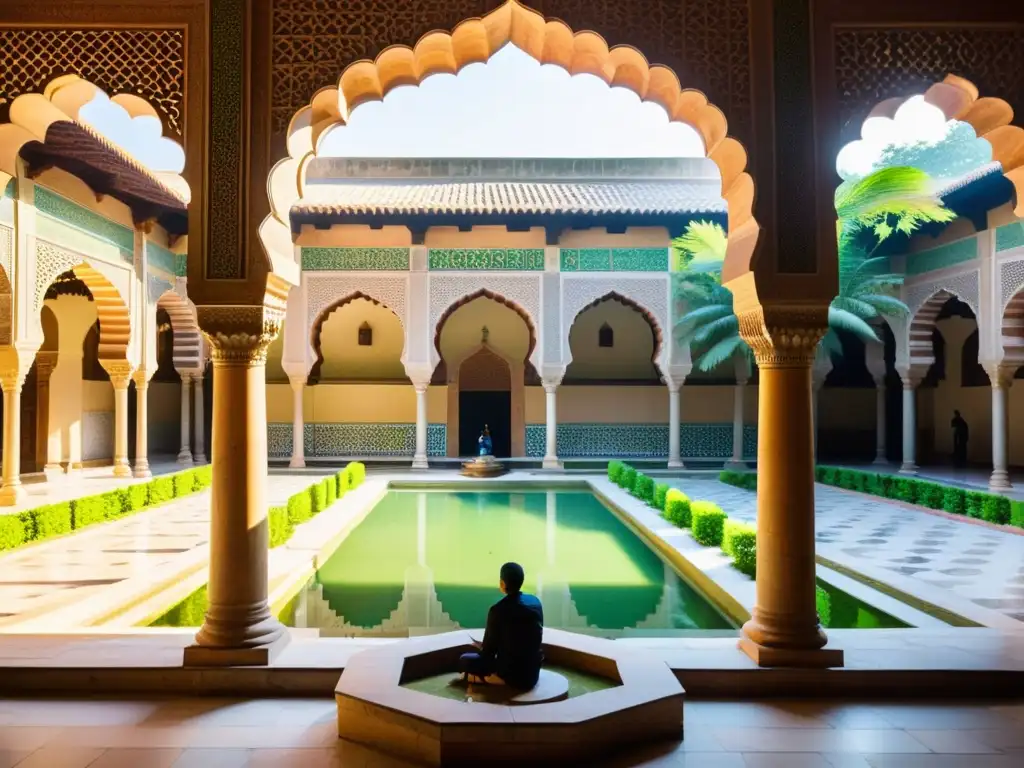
(881, 453)
(783, 630)
(738, 393)
(120, 377)
(185, 454)
(1001, 378)
(675, 458)
(239, 628)
(551, 427)
(45, 363)
(199, 420)
(298, 422)
(910, 382)
(11, 381)
(141, 469)
(419, 459)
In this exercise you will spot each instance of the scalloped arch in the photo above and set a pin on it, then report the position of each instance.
(991, 118)
(549, 42)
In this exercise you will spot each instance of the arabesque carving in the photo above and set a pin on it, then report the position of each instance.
(240, 335)
(784, 336)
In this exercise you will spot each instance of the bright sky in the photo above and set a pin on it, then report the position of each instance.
(511, 107)
(141, 137)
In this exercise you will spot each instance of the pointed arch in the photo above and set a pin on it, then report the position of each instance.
(922, 324)
(112, 313)
(188, 343)
(486, 293)
(317, 326)
(645, 313)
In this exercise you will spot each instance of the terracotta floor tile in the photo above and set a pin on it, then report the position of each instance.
(213, 758)
(136, 758)
(60, 757)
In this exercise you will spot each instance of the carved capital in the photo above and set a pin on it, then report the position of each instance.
(240, 334)
(120, 372)
(141, 378)
(1000, 376)
(784, 336)
(11, 379)
(911, 377)
(45, 363)
(551, 384)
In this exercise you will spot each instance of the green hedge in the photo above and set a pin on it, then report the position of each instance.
(190, 612)
(745, 480)
(739, 541)
(628, 477)
(64, 517)
(643, 488)
(707, 523)
(926, 493)
(677, 508)
(615, 470)
(660, 495)
(281, 528)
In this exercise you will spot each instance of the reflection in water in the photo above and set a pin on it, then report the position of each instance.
(425, 562)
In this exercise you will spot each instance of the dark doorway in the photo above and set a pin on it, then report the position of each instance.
(491, 408)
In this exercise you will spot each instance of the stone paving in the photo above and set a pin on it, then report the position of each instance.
(42, 579)
(974, 562)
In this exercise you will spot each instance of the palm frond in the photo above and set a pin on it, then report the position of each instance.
(701, 248)
(840, 319)
(721, 352)
(855, 305)
(709, 332)
(890, 306)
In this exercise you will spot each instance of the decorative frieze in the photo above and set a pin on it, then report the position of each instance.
(162, 259)
(614, 260)
(1010, 236)
(641, 441)
(943, 256)
(473, 259)
(60, 208)
(315, 259)
(369, 439)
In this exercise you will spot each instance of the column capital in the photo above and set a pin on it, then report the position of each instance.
(297, 381)
(240, 334)
(551, 383)
(141, 377)
(1000, 375)
(12, 378)
(784, 335)
(46, 361)
(911, 377)
(120, 372)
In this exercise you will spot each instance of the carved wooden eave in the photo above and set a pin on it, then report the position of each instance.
(476, 41)
(46, 131)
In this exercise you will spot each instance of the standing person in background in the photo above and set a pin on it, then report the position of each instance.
(960, 436)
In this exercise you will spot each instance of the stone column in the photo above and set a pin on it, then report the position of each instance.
(675, 458)
(419, 460)
(738, 392)
(298, 422)
(120, 372)
(11, 381)
(881, 456)
(783, 629)
(185, 454)
(239, 628)
(551, 431)
(910, 382)
(142, 424)
(199, 420)
(45, 363)
(1001, 378)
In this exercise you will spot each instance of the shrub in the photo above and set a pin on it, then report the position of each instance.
(931, 495)
(829, 475)
(975, 504)
(161, 489)
(660, 492)
(615, 471)
(12, 532)
(1017, 513)
(847, 479)
(677, 508)
(280, 526)
(954, 501)
(339, 483)
(203, 477)
(357, 473)
(708, 523)
(996, 509)
(134, 497)
(48, 521)
(643, 487)
(318, 497)
(739, 541)
(90, 510)
(823, 602)
(628, 477)
(190, 612)
(300, 507)
(184, 483)
(745, 480)
(330, 485)
(877, 485)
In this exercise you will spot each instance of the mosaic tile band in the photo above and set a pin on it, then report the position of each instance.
(331, 440)
(474, 259)
(355, 259)
(641, 441)
(943, 256)
(614, 260)
(62, 209)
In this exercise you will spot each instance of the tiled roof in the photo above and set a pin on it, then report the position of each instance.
(418, 197)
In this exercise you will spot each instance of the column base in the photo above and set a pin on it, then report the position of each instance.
(74, 468)
(142, 469)
(52, 471)
(810, 658)
(198, 458)
(10, 495)
(1000, 481)
(880, 461)
(420, 462)
(297, 464)
(675, 464)
(185, 457)
(908, 469)
(255, 656)
(122, 470)
(552, 462)
(219, 644)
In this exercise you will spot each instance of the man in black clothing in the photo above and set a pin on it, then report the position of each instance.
(960, 434)
(511, 651)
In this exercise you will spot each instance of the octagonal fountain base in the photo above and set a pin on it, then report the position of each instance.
(643, 702)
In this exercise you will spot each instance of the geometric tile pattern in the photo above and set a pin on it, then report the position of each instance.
(161, 258)
(614, 260)
(1010, 236)
(181, 264)
(943, 256)
(363, 259)
(696, 441)
(977, 563)
(365, 439)
(75, 215)
(525, 259)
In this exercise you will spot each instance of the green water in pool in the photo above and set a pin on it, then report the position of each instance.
(428, 561)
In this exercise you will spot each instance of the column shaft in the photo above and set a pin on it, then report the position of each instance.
(142, 426)
(12, 491)
(909, 466)
(880, 436)
(185, 454)
(239, 628)
(675, 458)
(199, 421)
(298, 425)
(419, 460)
(1000, 479)
(551, 430)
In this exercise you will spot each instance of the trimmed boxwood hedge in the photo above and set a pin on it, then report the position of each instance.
(61, 518)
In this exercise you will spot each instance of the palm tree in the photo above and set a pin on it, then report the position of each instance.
(887, 201)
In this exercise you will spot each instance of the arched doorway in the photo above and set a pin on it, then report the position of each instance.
(485, 399)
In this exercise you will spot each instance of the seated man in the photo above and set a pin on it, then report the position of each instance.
(511, 652)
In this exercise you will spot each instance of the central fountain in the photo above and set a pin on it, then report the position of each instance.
(484, 465)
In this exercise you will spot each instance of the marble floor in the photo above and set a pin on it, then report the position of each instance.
(935, 557)
(221, 733)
